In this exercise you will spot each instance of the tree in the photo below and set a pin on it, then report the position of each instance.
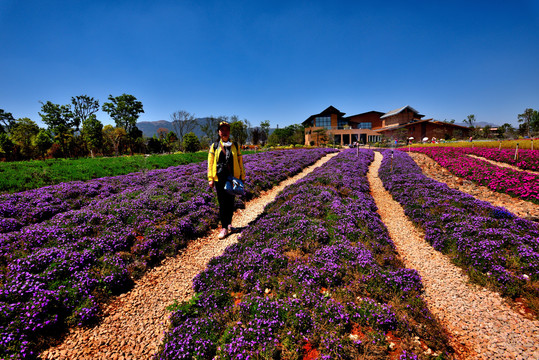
(183, 122)
(265, 126)
(6, 145)
(238, 131)
(6, 121)
(321, 136)
(124, 110)
(209, 128)
(114, 137)
(43, 142)
(83, 107)
(530, 120)
(162, 133)
(487, 131)
(59, 120)
(171, 141)
(154, 145)
(191, 142)
(92, 133)
(256, 133)
(470, 120)
(22, 133)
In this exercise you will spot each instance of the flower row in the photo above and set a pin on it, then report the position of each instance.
(59, 271)
(520, 184)
(317, 276)
(34, 206)
(497, 248)
(526, 159)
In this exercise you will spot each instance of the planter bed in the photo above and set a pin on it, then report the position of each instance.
(316, 276)
(495, 247)
(519, 184)
(59, 271)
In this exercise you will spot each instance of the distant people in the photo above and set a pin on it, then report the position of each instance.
(224, 160)
(471, 139)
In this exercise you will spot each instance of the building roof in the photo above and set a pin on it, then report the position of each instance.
(399, 110)
(365, 113)
(450, 124)
(437, 122)
(400, 126)
(328, 111)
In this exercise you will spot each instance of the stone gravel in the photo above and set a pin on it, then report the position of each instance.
(482, 324)
(134, 323)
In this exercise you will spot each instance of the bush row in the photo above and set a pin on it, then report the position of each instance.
(60, 271)
(496, 248)
(317, 276)
(25, 175)
(520, 184)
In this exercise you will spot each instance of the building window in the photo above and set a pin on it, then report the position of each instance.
(365, 125)
(341, 123)
(323, 121)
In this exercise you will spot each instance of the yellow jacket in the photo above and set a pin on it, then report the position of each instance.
(237, 159)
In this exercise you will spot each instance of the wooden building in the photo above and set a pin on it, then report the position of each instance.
(371, 126)
(331, 124)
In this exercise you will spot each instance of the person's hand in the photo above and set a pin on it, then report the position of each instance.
(211, 184)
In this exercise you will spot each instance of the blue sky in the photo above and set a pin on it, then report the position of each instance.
(274, 60)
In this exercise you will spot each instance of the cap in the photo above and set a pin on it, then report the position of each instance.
(223, 123)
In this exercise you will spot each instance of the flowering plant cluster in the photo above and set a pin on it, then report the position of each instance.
(520, 184)
(495, 247)
(527, 159)
(317, 276)
(58, 271)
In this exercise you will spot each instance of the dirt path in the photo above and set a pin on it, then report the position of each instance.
(478, 319)
(135, 322)
(509, 166)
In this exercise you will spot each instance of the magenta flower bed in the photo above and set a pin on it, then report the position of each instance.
(316, 277)
(58, 271)
(527, 159)
(519, 184)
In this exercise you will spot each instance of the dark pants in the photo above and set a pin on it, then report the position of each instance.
(226, 204)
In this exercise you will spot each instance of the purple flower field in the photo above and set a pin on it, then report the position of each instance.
(66, 248)
(316, 276)
(520, 184)
(496, 248)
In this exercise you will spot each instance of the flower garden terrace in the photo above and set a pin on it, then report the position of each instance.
(496, 248)
(520, 184)
(57, 267)
(317, 276)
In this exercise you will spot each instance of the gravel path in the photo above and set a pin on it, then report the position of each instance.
(134, 323)
(502, 164)
(482, 324)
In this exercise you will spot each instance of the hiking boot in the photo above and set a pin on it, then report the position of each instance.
(223, 233)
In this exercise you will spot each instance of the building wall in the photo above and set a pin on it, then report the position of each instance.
(427, 129)
(373, 118)
(334, 120)
(402, 118)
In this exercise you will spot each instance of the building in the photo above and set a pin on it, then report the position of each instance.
(331, 123)
(372, 126)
